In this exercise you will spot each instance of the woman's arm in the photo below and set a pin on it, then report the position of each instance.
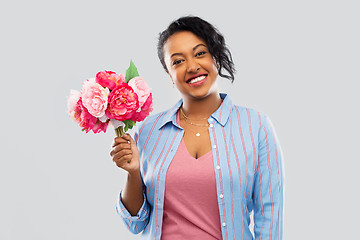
(126, 156)
(132, 205)
(269, 185)
(132, 195)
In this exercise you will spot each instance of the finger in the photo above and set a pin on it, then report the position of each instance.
(126, 137)
(120, 147)
(123, 158)
(121, 153)
(131, 140)
(118, 140)
(123, 145)
(124, 161)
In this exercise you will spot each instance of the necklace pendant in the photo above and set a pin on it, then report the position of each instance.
(197, 134)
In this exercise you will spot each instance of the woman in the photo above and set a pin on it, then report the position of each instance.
(197, 170)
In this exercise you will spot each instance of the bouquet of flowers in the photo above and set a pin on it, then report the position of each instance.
(111, 98)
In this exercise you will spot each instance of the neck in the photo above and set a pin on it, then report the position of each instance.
(203, 108)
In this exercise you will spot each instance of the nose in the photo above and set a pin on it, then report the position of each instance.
(193, 66)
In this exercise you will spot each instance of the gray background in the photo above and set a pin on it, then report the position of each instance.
(297, 61)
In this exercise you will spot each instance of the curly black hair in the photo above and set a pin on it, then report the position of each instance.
(204, 30)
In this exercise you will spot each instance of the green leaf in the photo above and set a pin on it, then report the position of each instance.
(129, 124)
(131, 72)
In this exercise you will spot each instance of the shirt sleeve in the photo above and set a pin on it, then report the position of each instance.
(268, 192)
(137, 223)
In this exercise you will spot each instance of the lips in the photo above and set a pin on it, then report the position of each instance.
(196, 78)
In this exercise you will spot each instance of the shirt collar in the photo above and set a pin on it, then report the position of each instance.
(221, 115)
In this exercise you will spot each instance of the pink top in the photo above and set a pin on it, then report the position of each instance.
(191, 209)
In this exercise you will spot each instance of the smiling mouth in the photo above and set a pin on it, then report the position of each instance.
(196, 79)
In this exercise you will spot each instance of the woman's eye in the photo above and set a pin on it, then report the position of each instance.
(200, 53)
(177, 62)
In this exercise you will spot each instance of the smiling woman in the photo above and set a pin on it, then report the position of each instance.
(191, 66)
(201, 168)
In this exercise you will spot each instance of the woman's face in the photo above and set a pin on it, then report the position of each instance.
(190, 65)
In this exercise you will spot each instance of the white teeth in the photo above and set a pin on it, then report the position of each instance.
(197, 79)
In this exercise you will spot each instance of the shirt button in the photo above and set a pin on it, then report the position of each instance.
(214, 146)
(211, 125)
(217, 167)
(224, 224)
(221, 196)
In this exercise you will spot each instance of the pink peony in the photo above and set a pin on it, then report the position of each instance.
(109, 79)
(100, 126)
(141, 89)
(72, 99)
(83, 117)
(94, 97)
(123, 103)
(145, 110)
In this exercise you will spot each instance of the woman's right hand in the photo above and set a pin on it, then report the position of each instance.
(125, 154)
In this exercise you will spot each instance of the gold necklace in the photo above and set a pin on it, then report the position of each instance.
(197, 124)
(197, 133)
(187, 119)
(182, 112)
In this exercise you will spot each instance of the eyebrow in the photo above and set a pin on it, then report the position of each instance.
(194, 48)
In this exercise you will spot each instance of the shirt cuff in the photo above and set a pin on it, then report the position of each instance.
(142, 214)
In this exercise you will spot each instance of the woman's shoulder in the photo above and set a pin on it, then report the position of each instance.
(154, 120)
(150, 127)
(239, 109)
(253, 116)
(248, 110)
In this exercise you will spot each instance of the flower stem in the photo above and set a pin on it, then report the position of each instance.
(119, 131)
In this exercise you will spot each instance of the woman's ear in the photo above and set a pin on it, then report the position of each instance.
(217, 64)
(172, 80)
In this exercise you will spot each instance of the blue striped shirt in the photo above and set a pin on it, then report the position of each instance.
(248, 169)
